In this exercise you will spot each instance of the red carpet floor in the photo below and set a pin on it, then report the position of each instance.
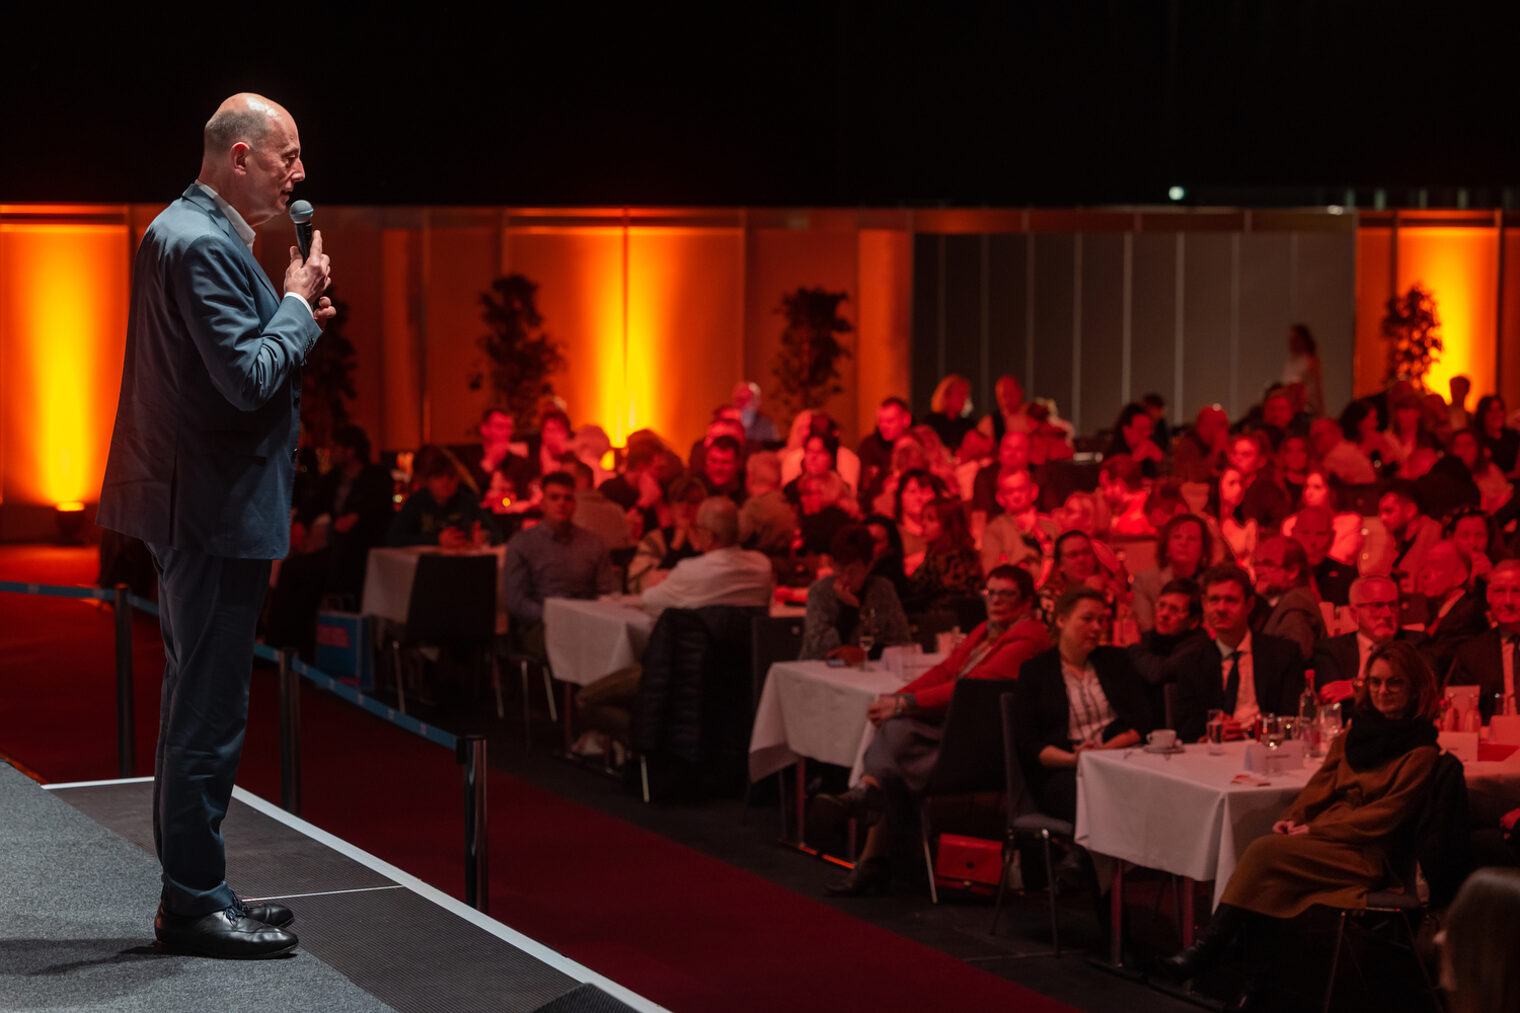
(686, 930)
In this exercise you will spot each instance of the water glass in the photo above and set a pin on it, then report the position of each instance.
(1271, 731)
(866, 643)
(1215, 729)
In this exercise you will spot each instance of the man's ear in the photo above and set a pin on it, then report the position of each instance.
(238, 156)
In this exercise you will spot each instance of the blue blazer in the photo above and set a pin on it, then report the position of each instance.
(202, 456)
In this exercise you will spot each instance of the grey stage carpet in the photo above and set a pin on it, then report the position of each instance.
(76, 927)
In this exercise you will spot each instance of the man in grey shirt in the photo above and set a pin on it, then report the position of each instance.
(555, 559)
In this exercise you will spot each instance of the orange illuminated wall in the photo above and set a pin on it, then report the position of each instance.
(63, 322)
(1456, 256)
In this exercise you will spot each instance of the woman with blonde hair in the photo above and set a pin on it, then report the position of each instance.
(950, 411)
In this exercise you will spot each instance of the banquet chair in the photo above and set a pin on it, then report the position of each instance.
(969, 748)
(927, 626)
(772, 639)
(1026, 821)
(452, 607)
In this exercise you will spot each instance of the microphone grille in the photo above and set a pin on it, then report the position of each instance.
(301, 212)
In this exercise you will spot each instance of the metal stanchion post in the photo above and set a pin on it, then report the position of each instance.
(290, 736)
(477, 878)
(125, 722)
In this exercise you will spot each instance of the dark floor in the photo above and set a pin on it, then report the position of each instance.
(1373, 974)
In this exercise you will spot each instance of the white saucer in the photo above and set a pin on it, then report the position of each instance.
(1164, 751)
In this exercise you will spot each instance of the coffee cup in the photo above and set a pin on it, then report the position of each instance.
(1161, 738)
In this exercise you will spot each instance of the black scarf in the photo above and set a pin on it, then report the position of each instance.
(1373, 740)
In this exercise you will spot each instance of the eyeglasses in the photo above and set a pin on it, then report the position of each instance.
(1378, 606)
(1000, 595)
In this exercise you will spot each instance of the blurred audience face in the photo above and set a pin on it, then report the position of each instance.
(1272, 577)
(442, 487)
(1395, 512)
(892, 422)
(1013, 451)
(853, 575)
(1174, 614)
(1225, 604)
(745, 395)
(558, 504)
(915, 496)
(500, 493)
(1184, 547)
(1294, 455)
(496, 430)
(1504, 596)
(1003, 601)
(1009, 394)
(1212, 427)
(1277, 411)
(556, 438)
(1471, 533)
(1315, 531)
(1325, 434)
(1466, 448)
(955, 399)
(816, 459)
(1316, 490)
(1016, 491)
(1493, 416)
(1139, 429)
(1442, 571)
(725, 425)
(1231, 489)
(1245, 455)
(722, 466)
(1375, 603)
(933, 527)
(1077, 514)
(1078, 560)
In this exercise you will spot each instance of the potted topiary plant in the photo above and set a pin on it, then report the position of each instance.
(806, 368)
(519, 358)
(1410, 327)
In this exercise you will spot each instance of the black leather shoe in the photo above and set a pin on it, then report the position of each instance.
(1187, 963)
(277, 915)
(857, 803)
(225, 934)
(873, 875)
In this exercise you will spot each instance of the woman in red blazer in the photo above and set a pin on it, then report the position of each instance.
(897, 762)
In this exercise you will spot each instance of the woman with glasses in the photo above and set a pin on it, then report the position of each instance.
(909, 722)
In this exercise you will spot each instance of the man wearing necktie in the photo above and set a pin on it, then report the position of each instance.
(1489, 660)
(201, 469)
(1339, 662)
(1235, 671)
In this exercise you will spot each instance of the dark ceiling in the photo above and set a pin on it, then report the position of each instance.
(834, 102)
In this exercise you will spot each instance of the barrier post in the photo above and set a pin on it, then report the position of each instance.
(126, 726)
(290, 736)
(477, 877)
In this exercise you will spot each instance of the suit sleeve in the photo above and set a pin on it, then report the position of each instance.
(1192, 708)
(249, 359)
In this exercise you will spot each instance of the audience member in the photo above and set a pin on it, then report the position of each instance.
(1340, 662)
(721, 574)
(1473, 530)
(1019, 535)
(1076, 564)
(1338, 456)
(1345, 525)
(892, 420)
(1121, 483)
(1199, 454)
(746, 400)
(1183, 549)
(720, 469)
(767, 522)
(915, 492)
(888, 562)
(825, 508)
(596, 513)
(1359, 425)
(440, 512)
(950, 410)
(1240, 673)
(1132, 438)
(554, 559)
(1456, 415)
(1493, 488)
(851, 602)
(496, 453)
(951, 568)
(819, 456)
(1286, 604)
(724, 422)
(1480, 944)
(1013, 455)
(548, 447)
(1501, 441)
(1010, 413)
(1488, 660)
(807, 424)
(1410, 534)
(1177, 628)
(1074, 697)
(1238, 532)
(1303, 367)
(1292, 465)
(662, 548)
(637, 489)
(1406, 432)
(356, 494)
(909, 723)
(1311, 529)
(1452, 612)
(1262, 499)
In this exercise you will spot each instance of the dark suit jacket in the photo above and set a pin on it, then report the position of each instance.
(1333, 580)
(1277, 671)
(208, 420)
(1467, 618)
(1337, 658)
(1044, 714)
(1479, 663)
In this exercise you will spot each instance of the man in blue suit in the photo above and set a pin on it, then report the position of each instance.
(201, 468)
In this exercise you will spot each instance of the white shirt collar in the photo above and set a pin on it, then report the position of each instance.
(1244, 647)
(243, 229)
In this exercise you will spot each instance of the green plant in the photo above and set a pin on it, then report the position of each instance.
(327, 378)
(806, 368)
(519, 357)
(1410, 327)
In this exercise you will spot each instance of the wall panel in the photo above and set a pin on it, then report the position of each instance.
(1154, 323)
(1054, 289)
(1209, 320)
(1103, 330)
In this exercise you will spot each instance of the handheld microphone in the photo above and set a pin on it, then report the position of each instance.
(300, 214)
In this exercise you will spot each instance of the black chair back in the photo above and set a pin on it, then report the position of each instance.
(772, 639)
(1020, 799)
(453, 599)
(970, 612)
(971, 746)
(1169, 704)
(927, 627)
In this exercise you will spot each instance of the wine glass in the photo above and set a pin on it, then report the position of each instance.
(867, 635)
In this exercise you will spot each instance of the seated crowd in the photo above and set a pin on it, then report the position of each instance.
(1139, 579)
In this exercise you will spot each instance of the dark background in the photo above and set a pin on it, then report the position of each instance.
(833, 103)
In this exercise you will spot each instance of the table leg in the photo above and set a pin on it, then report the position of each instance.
(801, 800)
(1116, 916)
(1186, 913)
(566, 721)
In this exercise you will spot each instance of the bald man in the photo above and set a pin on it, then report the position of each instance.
(201, 468)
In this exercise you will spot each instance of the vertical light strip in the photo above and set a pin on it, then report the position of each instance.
(1125, 380)
(1293, 275)
(425, 406)
(1177, 299)
(1076, 331)
(627, 406)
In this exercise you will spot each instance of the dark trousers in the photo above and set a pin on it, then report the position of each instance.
(208, 611)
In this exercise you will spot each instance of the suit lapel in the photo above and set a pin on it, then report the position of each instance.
(199, 198)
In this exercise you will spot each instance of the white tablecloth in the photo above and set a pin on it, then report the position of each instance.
(588, 639)
(1179, 813)
(391, 572)
(808, 709)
